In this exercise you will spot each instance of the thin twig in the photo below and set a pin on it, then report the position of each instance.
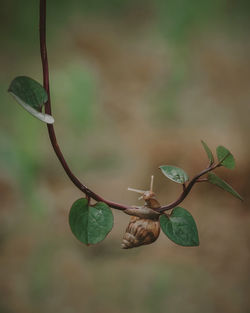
(51, 130)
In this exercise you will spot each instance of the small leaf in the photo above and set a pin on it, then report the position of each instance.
(174, 173)
(226, 157)
(32, 97)
(208, 151)
(180, 227)
(90, 224)
(214, 179)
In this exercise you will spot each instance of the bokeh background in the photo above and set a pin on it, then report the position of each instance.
(135, 84)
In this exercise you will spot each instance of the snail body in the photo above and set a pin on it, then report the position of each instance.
(144, 226)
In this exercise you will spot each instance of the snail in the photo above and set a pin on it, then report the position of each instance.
(144, 226)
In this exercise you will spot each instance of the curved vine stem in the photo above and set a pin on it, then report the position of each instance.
(89, 193)
(51, 130)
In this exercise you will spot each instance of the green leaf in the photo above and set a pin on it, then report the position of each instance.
(32, 97)
(208, 151)
(226, 157)
(180, 227)
(174, 173)
(214, 179)
(90, 224)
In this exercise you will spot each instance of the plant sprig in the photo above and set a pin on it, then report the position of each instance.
(90, 224)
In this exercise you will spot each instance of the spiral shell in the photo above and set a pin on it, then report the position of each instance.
(140, 231)
(144, 225)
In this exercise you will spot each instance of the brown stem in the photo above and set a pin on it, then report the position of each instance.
(52, 135)
(89, 193)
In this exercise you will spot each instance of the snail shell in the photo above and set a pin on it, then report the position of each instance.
(144, 226)
(140, 231)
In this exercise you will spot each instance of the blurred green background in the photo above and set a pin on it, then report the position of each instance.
(135, 84)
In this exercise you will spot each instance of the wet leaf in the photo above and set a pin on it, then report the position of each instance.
(226, 157)
(214, 179)
(180, 227)
(90, 224)
(174, 173)
(31, 96)
(208, 152)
